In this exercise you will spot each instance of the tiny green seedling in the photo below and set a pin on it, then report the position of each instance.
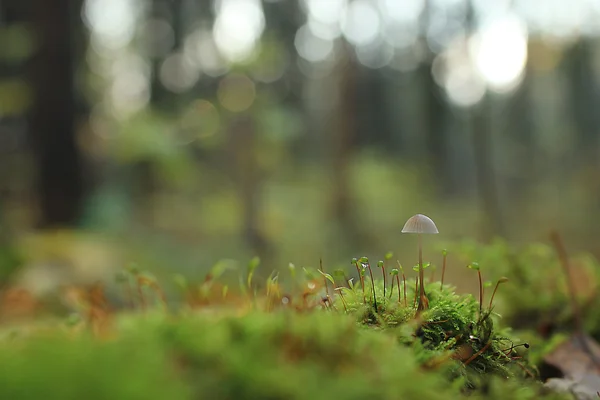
(326, 277)
(361, 274)
(381, 265)
(252, 265)
(403, 281)
(501, 280)
(444, 257)
(339, 290)
(366, 265)
(420, 224)
(394, 273)
(475, 266)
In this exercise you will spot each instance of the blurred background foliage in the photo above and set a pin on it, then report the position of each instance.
(175, 133)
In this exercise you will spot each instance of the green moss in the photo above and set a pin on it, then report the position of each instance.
(452, 330)
(262, 344)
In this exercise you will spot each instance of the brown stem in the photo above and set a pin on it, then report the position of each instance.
(339, 290)
(324, 278)
(564, 261)
(362, 282)
(416, 294)
(373, 285)
(480, 352)
(443, 270)
(383, 272)
(403, 280)
(494, 294)
(480, 292)
(392, 289)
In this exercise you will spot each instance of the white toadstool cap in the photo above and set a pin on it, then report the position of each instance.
(420, 224)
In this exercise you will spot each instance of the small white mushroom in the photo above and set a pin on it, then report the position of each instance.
(420, 224)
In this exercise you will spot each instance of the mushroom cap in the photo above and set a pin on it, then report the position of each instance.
(420, 224)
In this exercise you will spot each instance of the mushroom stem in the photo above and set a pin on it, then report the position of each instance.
(422, 297)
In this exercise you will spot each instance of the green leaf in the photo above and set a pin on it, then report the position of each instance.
(310, 275)
(354, 261)
(388, 255)
(327, 276)
(425, 265)
(363, 260)
(394, 271)
(380, 264)
(252, 265)
(444, 252)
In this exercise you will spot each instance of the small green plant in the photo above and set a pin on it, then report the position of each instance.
(444, 257)
(475, 266)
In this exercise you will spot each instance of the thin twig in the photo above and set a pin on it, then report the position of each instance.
(443, 270)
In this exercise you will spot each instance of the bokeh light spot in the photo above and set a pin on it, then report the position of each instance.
(236, 92)
(238, 26)
(199, 121)
(310, 47)
(112, 22)
(177, 74)
(361, 23)
(201, 50)
(500, 53)
(325, 11)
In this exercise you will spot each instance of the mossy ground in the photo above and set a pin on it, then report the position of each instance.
(306, 342)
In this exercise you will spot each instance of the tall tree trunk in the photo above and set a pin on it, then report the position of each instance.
(344, 136)
(491, 223)
(59, 164)
(435, 117)
(583, 100)
(242, 143)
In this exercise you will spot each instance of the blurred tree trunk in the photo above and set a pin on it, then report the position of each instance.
(520, 128)
(491, 223)
(59, 165)
(435, 118)
(435, 132)
(344, 135)
(583, 101)
(248, 176)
